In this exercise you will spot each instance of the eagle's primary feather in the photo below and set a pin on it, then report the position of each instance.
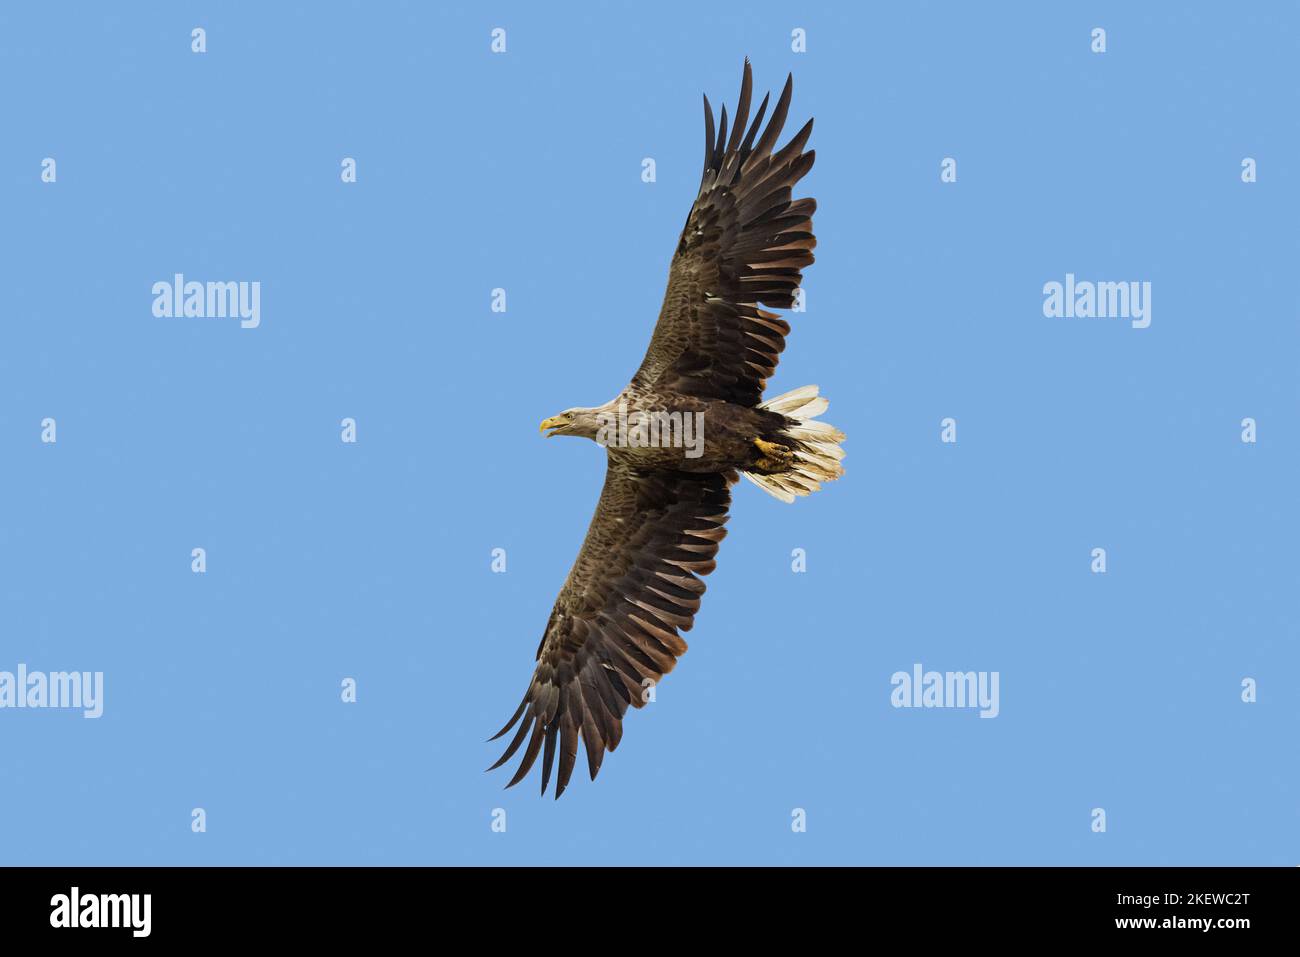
(615, 628)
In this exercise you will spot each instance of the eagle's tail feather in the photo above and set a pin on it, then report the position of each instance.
(815, 446)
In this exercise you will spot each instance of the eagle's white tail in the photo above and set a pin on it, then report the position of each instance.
(816, 446)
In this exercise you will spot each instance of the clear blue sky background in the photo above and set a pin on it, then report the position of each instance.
(522, 171)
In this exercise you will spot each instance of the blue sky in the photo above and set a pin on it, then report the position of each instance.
(371, 560)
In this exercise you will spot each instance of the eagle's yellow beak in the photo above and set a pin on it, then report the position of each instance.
(553, 422)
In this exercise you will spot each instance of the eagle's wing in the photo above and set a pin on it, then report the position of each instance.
(615, 622)
(743, 246)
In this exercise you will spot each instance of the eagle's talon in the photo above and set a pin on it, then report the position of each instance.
(773, 457)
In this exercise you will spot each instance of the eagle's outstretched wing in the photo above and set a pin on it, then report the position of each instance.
(615, 623)
(743, 246)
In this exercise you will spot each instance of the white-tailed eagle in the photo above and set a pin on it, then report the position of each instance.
(691, 420)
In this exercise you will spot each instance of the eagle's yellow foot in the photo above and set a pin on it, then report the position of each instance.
(773, 457)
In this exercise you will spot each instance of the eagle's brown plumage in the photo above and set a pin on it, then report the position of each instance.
(743, 245)
(636, 583)
(616, 620)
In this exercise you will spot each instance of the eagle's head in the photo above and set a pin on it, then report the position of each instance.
(583, 422)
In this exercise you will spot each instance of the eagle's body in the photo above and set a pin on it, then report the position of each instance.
(614, 630)
(730, 430)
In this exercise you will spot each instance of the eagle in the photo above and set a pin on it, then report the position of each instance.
(677, 437)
